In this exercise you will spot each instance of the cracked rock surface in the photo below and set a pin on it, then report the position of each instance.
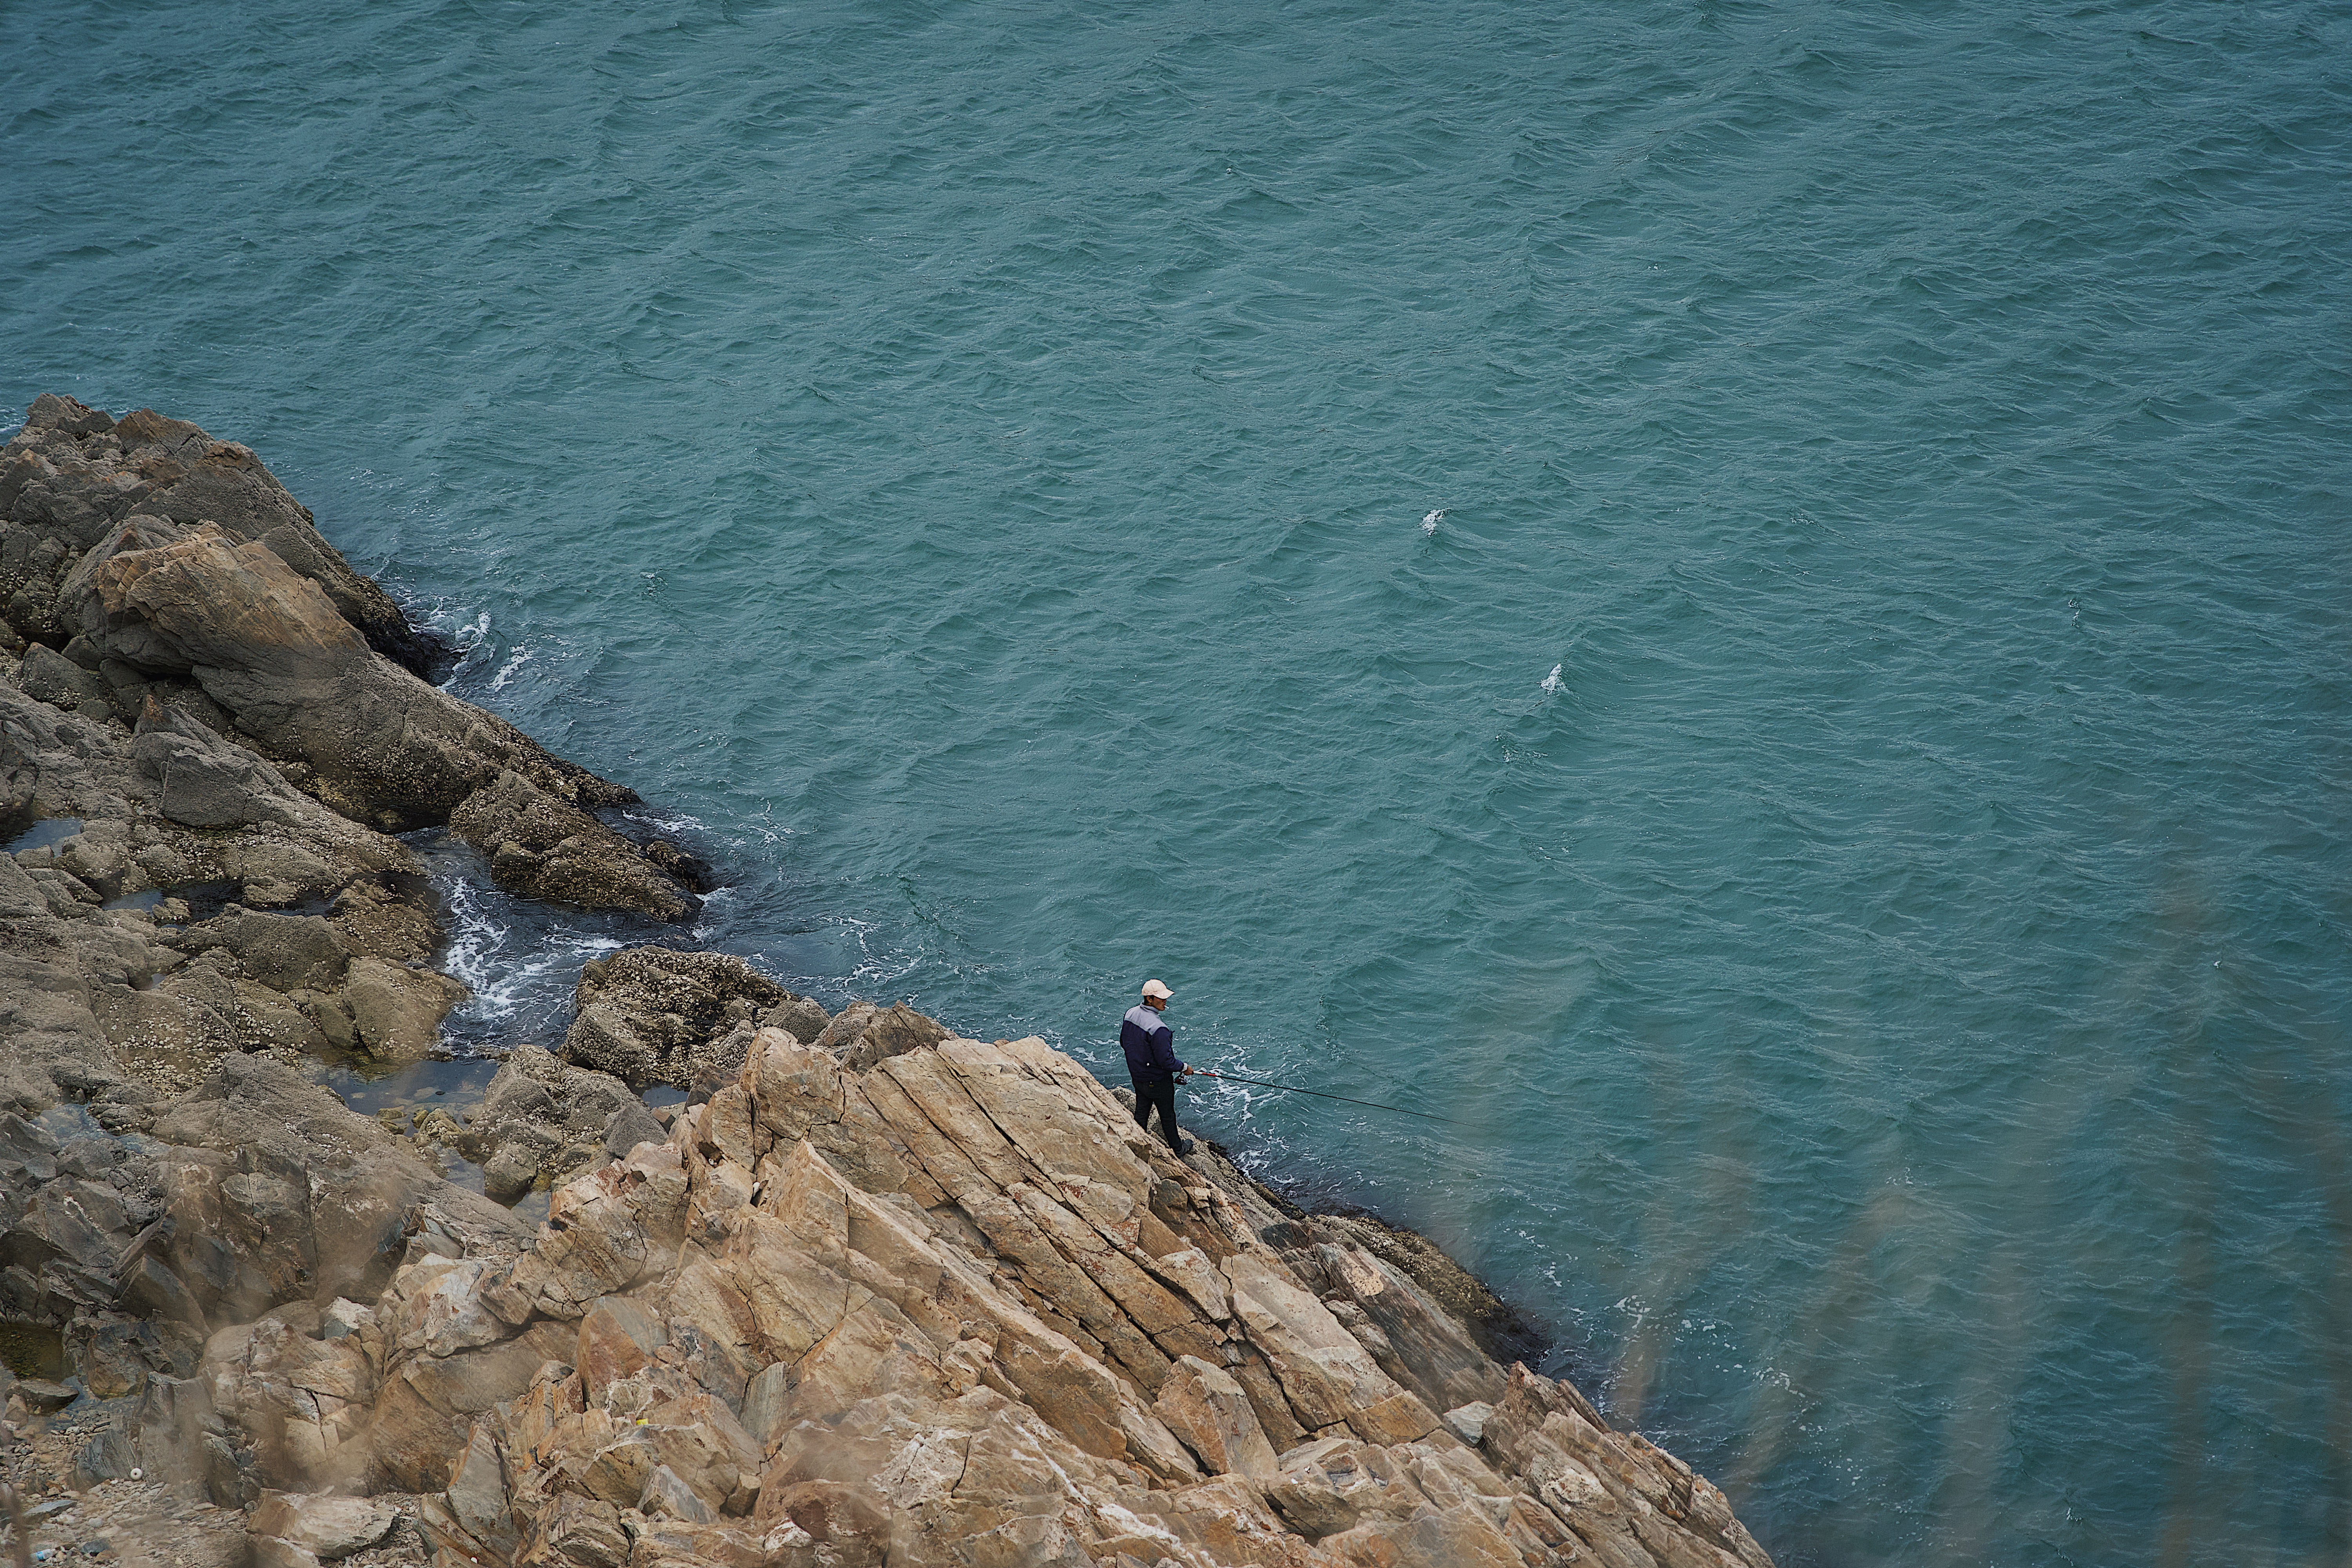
(958, 1308)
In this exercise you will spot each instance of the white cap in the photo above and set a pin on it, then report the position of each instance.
(1154, 989)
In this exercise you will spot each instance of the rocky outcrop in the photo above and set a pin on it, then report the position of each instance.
(75, 473)
(248, 624)
(656, 1015)
(540, 1121)
(119, 1004)
(875, 1294)
(252, 1197)
(958, 1308)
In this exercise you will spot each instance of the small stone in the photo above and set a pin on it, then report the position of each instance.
(1469, 1421)
(343, 1318)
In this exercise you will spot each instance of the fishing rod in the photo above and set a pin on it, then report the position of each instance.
(1294, 1088)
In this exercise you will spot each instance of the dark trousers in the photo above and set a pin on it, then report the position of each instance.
(1156, 1090)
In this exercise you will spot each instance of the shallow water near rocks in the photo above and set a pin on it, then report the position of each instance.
(1748, 601)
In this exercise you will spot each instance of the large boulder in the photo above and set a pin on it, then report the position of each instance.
(540, 1121)
(538, 843)
(267, 646)
(74, 469)
(204, 780)
(654, 1015)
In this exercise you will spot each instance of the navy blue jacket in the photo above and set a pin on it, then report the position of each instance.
(1149, 1045)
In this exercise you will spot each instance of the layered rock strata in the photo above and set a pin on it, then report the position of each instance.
(957, 1308)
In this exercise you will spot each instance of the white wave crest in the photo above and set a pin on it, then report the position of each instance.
(503, 974)
(515, 662)
(1551, 682)
(1429, 521)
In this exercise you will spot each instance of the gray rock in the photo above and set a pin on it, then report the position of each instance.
(629, 1126)
(1468, 1422)
(325, 1526)
(543, 844)
(285, 953)
(668, 1497)
(799, 1016)
(173, 1413)
(340, 1319)
(845, 1027)
(45, 1394)
(56, 679)
(204, 781)
(542, 1119)
(78, 1222)
(512, 1170)
(396, 1011)
(54, 411)
(642, 1013)
(891, 1032)
(109, 1457)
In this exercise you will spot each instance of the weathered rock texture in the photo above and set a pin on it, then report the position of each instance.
(165, 1257)
(653, 1014)
(540, 1122)
(116, 1006)
(145, 560)
(957, 1308)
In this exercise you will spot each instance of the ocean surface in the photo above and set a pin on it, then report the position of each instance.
(1747, 602)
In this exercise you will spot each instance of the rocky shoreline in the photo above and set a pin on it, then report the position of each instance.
(874, 1293)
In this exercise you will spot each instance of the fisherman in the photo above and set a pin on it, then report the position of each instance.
(1151, 1064)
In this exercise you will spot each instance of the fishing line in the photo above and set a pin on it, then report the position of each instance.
(1294, 1088)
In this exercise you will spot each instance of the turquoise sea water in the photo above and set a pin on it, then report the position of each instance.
(1748, 601)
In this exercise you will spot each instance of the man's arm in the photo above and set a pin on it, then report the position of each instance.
(1163, 1050)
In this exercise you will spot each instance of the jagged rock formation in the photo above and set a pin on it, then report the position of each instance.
(116, 1006)
(654, 1015)
(145, 560)
(256, 1193)
(960, 1308)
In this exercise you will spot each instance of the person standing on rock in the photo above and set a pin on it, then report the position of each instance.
(1151, 1064)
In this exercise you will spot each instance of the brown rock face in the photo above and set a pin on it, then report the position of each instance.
(958, 1308)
